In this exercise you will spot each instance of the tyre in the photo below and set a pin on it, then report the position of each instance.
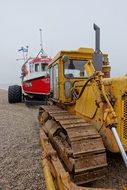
(14, 94)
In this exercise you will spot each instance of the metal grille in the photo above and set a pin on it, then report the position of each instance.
(125, 117)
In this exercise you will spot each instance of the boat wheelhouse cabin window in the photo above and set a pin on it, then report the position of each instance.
(31, 67)
(44, 66)
(74, 68)
(37, 67)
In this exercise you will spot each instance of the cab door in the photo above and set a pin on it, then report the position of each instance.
(54, 85)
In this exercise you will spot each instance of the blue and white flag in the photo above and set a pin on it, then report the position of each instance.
(23, 49)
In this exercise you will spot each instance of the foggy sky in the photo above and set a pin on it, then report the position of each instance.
(66, 24)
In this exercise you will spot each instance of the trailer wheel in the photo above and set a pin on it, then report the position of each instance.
(14, 94)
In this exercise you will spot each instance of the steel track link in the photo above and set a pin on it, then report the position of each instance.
(77, 142)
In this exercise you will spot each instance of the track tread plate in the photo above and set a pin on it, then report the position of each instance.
(87, 146)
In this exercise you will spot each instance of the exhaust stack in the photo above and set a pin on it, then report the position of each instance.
(97, 37)
(97, 57)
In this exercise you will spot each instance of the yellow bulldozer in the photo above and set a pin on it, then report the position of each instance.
(86, 114)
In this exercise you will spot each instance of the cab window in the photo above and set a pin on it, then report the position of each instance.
(74, 68)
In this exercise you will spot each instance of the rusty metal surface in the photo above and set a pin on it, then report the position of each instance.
(77, 143)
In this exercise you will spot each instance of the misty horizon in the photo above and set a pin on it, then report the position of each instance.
(66, 25)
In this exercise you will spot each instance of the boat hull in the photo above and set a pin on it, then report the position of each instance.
(37, 86)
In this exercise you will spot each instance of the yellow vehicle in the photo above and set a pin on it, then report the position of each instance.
(87, 113)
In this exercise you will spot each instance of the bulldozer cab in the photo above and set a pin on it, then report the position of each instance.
(68, 69)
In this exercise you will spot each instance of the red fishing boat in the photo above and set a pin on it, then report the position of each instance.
(35, 81)
(35, 78)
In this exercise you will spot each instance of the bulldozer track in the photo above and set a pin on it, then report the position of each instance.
(77, 142)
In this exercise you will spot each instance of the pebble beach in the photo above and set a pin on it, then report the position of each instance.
(20, 151)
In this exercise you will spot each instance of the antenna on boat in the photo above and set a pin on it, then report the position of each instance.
(41, 52)
(26, 52)
(41, 44)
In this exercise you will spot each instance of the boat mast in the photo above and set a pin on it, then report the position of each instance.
(41, 44)
(26, 53)
(41, 52)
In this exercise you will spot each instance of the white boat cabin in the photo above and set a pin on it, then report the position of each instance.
(36, 68)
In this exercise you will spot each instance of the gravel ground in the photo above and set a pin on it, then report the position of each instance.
(20, 167)
(116, 176)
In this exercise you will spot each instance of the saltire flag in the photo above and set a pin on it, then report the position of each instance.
(23, 49)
